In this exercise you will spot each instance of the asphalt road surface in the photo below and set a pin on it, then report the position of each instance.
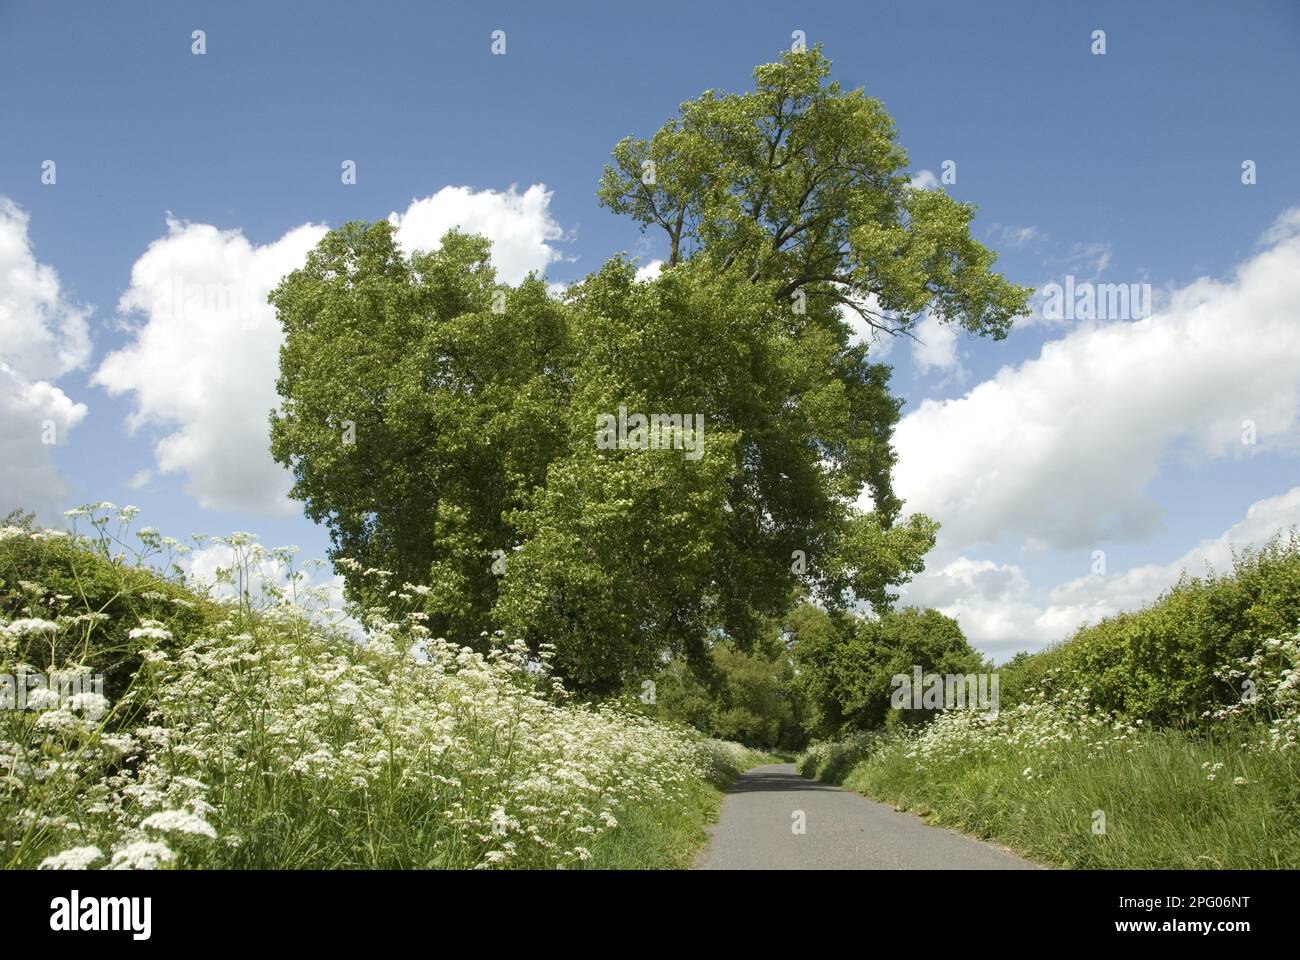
(758, 830)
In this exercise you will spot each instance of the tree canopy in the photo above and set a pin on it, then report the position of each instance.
(802, 185)
(845, 664)
(444, 426)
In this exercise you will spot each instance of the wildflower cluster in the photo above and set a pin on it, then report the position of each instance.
(1031, 729)
(1269, 684)
(274, 738)
(834, 758)
(1056, 714)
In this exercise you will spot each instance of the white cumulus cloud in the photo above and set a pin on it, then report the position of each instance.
(519, 225)
(34, 417)
(1059, 450)
(650, 271)
(924, 180)
(1104, 594)
(201, 366)
(43, 336)
(935, 346)
(1000, 612)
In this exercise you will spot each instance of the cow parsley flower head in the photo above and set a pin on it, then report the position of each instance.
(75, 858)
(42, 698)
(150, 630)
(141, 855)
(29, 625)
(179, 821)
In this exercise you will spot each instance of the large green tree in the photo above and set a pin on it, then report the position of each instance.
(801, 185)
(415, 416)
(444, 426)
(744, 696)
(845, 663)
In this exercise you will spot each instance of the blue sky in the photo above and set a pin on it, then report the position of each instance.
(1121, 168)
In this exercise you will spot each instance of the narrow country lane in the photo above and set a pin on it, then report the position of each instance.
(757, 829)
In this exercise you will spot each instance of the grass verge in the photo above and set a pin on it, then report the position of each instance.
(669, 835)
(149, 722)
(1151, 799)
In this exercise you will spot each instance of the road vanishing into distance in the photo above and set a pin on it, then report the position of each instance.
(759, 828)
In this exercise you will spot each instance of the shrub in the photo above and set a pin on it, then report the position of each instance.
(735, 695)
(89, 585)
(847, 662)
(1166, 663)
(832, 760)
(726, 758)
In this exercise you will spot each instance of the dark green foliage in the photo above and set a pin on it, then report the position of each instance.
(846, 663)
(54, 577)
(745, 697)
(443, 426)
(1159, 663)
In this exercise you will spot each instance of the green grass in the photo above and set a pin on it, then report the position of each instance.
(1161, 810)
(1142, 720)
(665, 836)
(669, 836)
